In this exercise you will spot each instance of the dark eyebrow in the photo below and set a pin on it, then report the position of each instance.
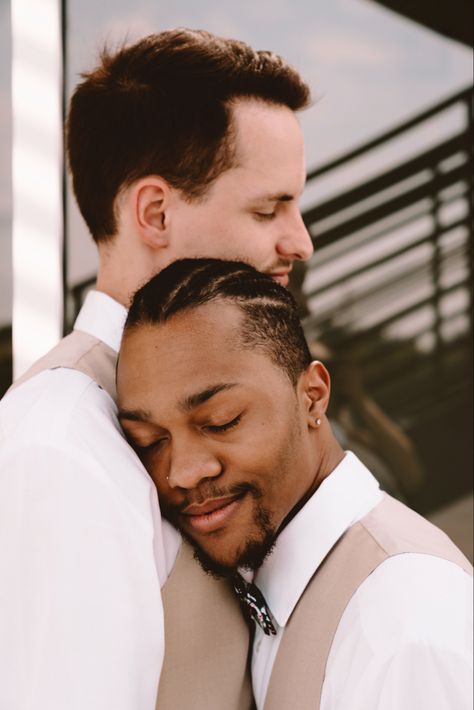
(194, 400)
(134, 415)
(276, 198)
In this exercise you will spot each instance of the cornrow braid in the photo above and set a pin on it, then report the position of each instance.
(270, 320)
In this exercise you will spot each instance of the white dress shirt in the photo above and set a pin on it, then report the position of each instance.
(83, 549)
(404, 641)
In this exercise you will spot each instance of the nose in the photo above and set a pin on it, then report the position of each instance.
(295, 242)
(189, 465)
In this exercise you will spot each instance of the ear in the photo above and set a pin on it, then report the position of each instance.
(315, 384)
(150, 200)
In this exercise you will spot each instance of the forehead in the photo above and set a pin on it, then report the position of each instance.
(190, 351)
(258, 120)
(268, 142)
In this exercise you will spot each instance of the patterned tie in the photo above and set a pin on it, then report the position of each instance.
(253, 604)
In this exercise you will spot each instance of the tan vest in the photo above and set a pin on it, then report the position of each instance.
(390, 529)
(206, 639)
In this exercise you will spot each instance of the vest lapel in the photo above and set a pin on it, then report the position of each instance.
(298, 673)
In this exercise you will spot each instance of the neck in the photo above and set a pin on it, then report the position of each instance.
(331, 456)
(112, 289)
(121, 272)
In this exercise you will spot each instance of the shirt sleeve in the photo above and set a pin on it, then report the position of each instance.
(423, 676)
(405, 640)
(81, 618)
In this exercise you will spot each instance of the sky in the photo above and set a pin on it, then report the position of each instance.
(368, 68)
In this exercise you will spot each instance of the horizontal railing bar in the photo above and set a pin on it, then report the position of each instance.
(390, 179)
(414, 216)
(395, 284)
(366, 333)
(429, 238)
(383, 210)
(462, 96)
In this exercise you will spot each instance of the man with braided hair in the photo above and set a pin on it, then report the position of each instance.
(359, 603)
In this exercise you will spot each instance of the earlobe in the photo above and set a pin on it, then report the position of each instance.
(151, 196)
(317, 385)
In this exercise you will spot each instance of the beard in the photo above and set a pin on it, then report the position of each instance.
(255, 548)
(252, 556)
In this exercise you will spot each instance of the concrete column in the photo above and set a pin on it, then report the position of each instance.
(37, 179)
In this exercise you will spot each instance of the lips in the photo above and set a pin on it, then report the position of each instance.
(213, 513)
(281, 277)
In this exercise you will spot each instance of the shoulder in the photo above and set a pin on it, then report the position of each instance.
(60, 439)
(405, 639)
(412, 597)
(50, 403)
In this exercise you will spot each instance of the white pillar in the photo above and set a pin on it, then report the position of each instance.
(37, 179)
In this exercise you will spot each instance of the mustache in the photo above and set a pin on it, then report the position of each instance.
(208, 490)
(277, 265)
(280, 264)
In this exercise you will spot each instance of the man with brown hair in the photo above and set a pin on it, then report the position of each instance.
(184, 144)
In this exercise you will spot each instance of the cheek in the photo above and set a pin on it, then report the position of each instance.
(239, 236)
(157, 473)
(259, 238)
(266, 454)
(279, 461)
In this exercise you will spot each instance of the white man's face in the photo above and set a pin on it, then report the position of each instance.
(251, 211)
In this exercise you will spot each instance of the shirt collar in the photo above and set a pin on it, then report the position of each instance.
(343, 498)
(102, 317)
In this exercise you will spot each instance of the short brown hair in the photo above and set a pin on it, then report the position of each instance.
(161, 107)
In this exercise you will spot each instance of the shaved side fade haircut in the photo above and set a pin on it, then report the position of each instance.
(163, 106)
(270, 315)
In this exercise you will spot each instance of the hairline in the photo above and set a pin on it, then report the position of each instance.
(240, 303)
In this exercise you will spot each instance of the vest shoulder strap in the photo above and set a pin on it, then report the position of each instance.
(298, 672)
(389, 529)
(83, 352)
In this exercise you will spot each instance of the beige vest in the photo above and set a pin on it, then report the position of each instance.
(390, 529)
(206, 638)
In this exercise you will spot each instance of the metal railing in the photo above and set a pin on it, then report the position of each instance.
(391, 278)
(390, 283)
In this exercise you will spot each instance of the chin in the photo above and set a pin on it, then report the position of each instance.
(249, 554)
(217, 566)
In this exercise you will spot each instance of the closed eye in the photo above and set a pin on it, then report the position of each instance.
(140, 447)
(149, 447)
(216, 428)
(264, 216)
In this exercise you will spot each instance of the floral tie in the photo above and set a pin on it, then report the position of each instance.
(253, 604)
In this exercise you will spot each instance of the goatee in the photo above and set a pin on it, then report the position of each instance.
(255, 550)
